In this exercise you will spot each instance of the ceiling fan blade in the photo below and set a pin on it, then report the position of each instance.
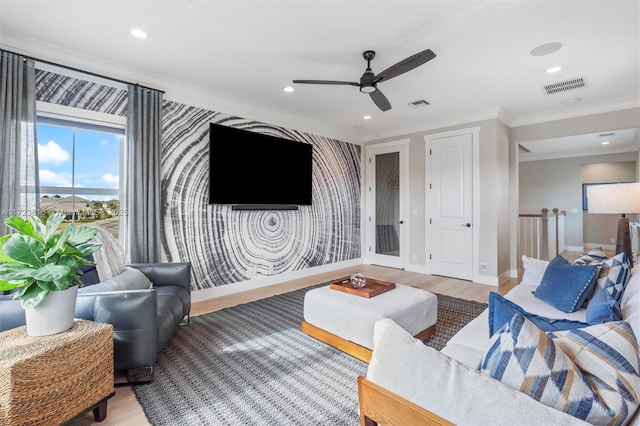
(405, 65)
(380, 100)
(347, 83)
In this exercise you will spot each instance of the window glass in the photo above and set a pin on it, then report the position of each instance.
(79, 171)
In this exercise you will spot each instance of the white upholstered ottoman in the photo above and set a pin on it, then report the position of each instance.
(345, 321)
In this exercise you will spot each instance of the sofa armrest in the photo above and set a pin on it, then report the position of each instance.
(381, 406)
(133, 315)
(163, 274)
(447, 388)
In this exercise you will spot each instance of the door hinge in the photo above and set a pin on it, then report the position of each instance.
(430, 152)
(430, 221)
(369, 249)
(430, 256)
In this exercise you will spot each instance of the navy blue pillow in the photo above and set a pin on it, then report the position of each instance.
(501, 310)
(565, 286)
(603, 307)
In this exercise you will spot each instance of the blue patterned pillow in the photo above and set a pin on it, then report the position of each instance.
(590, 373)
(615, 275)
(501, 310)
(595, 255)
(607, 355)
(565, 286)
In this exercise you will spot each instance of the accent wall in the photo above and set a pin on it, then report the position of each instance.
(226, 246)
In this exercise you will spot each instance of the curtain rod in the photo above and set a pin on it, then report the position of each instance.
(80, 71)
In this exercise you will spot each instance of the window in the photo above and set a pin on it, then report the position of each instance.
(79, 171)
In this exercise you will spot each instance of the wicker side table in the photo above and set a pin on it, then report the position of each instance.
(51, 379)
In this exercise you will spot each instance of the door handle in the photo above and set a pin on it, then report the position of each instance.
(401, 222)
(468, 225)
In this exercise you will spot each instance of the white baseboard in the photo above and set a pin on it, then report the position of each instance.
(224, 290)
(604, 246)
(514, 273)
(486, 280)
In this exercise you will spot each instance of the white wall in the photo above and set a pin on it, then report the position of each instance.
(558, 183)
(494, 237)
(609, 121)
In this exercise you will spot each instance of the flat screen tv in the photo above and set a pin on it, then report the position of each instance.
(257, 170)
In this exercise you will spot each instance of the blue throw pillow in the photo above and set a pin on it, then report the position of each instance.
(502, 310)
(565, 286)
(603, 307)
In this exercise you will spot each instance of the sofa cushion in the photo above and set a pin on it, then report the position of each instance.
(533, 270)
(590, 373)
(501, 310)
(595, 255)
(566, 286)
(129, 279)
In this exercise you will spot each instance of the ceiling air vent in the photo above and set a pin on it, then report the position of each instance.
(418, 104)
(606, 135)
(566, 85)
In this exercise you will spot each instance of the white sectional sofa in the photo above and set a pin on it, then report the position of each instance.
(408, 382)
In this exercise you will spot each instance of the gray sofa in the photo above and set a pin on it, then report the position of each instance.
(144, 316)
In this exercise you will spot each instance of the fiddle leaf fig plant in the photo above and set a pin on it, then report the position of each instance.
(39, 259)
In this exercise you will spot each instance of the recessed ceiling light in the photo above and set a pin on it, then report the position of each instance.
(367, 117)
(138, 33)
(288, 89)
(605, 143)
(546, 49)
(553, 69)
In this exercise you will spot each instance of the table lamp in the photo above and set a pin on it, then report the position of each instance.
(616, 198)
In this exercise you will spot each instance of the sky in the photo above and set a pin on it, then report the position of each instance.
(96, 158)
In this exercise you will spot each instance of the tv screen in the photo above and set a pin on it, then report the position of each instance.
(249, 168)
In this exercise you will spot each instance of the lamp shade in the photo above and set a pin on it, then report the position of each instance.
(616, 198)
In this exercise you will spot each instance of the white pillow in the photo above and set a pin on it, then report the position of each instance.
(129, 279)
(533, 270)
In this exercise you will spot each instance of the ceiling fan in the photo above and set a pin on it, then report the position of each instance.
(369, 81)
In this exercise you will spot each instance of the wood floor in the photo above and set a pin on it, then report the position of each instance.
(124, 409)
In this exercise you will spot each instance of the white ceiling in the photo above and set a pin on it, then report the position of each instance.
(236, 56)
(625, 140)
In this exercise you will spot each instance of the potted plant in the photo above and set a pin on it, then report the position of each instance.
(44, 265)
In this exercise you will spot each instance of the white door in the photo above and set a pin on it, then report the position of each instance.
(385, 201)
(451, 197)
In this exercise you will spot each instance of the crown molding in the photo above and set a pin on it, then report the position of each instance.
(175, 90)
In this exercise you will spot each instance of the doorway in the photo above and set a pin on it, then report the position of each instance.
(386, 189)
(450, 203)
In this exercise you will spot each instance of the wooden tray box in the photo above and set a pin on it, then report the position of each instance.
(372, 288)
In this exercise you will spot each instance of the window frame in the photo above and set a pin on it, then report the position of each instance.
(55, 114)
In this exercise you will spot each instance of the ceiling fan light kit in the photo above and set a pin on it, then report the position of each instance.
(368, 83)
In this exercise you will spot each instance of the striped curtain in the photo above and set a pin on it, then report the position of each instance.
(142, 175)
(19, 189)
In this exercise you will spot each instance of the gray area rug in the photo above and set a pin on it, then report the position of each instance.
(251, 365)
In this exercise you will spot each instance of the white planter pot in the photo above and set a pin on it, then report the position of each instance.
(54, 314)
